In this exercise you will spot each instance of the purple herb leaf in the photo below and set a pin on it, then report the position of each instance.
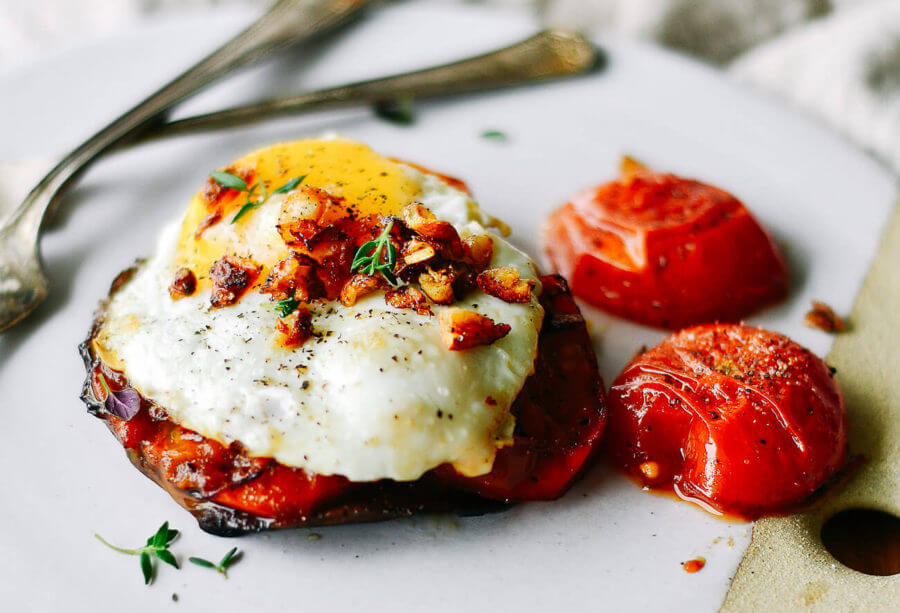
(124, 403)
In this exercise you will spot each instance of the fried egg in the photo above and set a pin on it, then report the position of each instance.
(376, 393)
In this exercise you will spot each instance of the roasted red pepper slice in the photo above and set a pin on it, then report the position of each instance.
(284, 493)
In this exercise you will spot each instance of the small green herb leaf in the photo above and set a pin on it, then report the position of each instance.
(287, 306)
(146, 567)
(496, 135)
(249, 206)
(229, 558)
(255, 203)
(201, 562)
(363, 255)
(161, 537)
(290, 185)
(157, 547)
(377, 256)
(166, 556)
(228, 180)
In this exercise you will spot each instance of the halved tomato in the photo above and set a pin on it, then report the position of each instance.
(737, 418)
(665, 251)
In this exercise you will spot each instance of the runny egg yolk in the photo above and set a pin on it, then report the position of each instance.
(369, 182)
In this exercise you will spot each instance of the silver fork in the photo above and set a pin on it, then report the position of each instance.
(23, 284)
(548, 54)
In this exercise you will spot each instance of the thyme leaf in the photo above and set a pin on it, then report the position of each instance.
(229, 180)
(254, 201)
(290, 185)
(248, 206)
(230, 558)
(157, 547)
(287, 306)
(377, 256)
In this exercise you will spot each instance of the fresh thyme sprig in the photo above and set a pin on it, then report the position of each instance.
(377, 256)
(254, 200)
(222, 567)
(157, 547)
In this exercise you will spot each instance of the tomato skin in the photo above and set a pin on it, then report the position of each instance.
(560, 412)
(734, 417)
(665, 251)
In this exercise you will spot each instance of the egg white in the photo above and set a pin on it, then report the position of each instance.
(376, 394)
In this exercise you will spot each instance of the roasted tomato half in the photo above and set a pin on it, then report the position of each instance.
(738, 419)
(665, 251)
(560, 417)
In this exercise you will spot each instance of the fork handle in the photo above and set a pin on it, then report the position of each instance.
(286, 22)
(549, 54)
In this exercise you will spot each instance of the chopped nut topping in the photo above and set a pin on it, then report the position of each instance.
(307, 236)
(298, 331)
(438, 285)
(421, 220)
(330, 207)
(300, 231)
(479, 250)
(504, 282)
(822, 316)
(408, 297)
(448, 282)
(461, 329)
(231, 276)
(360, 285)
(185, 284)
(415, 214)
(293, 277)
(417, 251)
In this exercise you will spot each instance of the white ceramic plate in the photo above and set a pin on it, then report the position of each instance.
(606, 544)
